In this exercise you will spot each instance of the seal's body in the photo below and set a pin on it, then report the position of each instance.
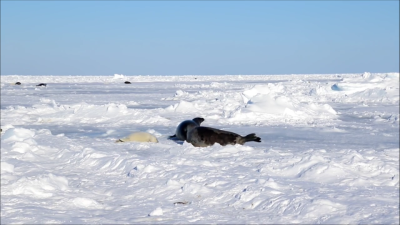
(139, 137)
(206, 136)
(181, 130)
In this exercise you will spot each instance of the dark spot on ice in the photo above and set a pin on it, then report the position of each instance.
(127, 82)
(180, 203)
(335, 87)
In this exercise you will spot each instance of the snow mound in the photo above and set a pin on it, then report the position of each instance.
(118, 76)
(7, 167)
(157, 212)
(86, 203)
(180, 93)
(284, 106)
(368, 88)
(184, 107)
(44, 186)
(372, 77)
(50, 112)
(17, 134)
(266, 101)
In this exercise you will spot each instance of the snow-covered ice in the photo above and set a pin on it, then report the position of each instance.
(329, 150)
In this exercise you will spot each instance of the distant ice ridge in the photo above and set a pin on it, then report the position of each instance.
(368, 88)
(118, 76)
(293, 101)
(48, 111)
(216, 80)
(274, 100)
(266, 103)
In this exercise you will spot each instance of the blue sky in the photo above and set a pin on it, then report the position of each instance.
(198, 37)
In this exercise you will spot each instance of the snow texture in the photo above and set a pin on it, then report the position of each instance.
(329, 151)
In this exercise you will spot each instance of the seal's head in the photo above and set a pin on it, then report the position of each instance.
(182, 129)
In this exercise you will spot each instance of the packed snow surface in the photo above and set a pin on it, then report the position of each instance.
(329, 150)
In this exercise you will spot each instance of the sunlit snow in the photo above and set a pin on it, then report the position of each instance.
(329, 150)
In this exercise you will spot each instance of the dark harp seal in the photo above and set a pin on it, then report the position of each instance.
(207, 136)
(181, 130)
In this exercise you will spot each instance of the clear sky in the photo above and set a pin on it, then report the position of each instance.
(198, 37)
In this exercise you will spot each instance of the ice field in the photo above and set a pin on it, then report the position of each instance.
(329, 152)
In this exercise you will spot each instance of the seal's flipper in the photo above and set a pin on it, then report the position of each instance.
(172, 136)
(251, 137)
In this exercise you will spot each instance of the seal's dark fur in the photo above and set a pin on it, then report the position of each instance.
(207, 136)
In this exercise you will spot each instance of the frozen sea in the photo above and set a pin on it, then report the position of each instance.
(329, 152)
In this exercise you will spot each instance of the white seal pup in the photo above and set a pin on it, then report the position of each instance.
(206, 136)
(181, 130)
(139, 137)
